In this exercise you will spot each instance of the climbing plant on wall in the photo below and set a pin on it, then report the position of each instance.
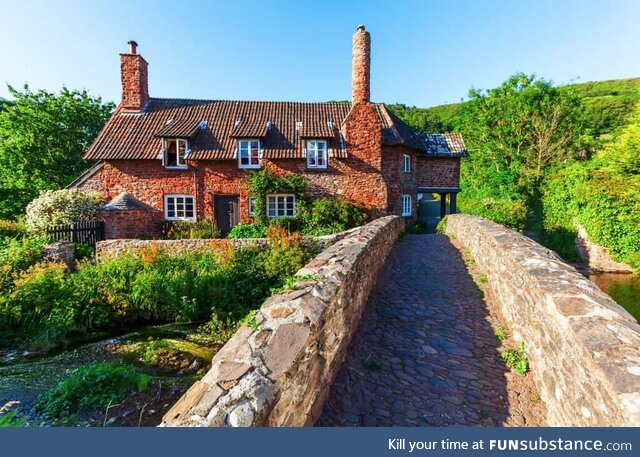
(264, 182)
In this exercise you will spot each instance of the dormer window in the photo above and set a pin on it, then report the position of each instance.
(249, 153)
(175, 152)
(316, 154)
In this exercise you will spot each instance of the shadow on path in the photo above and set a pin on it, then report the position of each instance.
(424, 354)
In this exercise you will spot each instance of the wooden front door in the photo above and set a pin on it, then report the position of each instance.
(227, 212)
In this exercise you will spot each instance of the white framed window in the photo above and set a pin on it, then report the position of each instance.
(406, 163)
(251, 206)
(281, 205)
(407, 210)
(174, 152)
(316, 154)
(249, 153)
(179, 208)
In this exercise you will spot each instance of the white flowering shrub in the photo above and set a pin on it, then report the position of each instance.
(66, 206)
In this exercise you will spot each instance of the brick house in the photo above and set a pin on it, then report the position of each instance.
(175, 159)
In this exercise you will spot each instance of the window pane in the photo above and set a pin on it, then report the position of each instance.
(171, 156)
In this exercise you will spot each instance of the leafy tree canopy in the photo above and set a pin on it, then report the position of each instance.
(517, 131)
(43, 136)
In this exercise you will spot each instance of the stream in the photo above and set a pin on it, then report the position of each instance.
(169, 354)
(624, 288)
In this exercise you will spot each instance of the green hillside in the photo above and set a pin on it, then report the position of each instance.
(607, 105)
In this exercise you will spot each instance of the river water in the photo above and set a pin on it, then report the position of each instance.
(623, 288)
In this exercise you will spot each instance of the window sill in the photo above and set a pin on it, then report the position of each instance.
(250, 168)
(180, 168)
(179, 219)
(317, 169)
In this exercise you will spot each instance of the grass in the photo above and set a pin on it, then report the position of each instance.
(97, 385)
(483, 279)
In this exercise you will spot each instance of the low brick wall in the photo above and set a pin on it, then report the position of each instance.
(113, 248)
(279, 372)
(583, 347)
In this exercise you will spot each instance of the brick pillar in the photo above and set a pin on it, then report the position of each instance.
(135, 80)
(361, 66)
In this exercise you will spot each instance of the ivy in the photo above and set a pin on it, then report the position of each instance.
(264, 182)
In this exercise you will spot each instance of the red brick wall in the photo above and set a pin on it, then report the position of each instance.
(398, 182)
(351, 179)
(361, 66)
(135, 85)
(126, 224)
(439, 171)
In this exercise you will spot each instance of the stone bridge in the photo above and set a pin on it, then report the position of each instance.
(405, 333)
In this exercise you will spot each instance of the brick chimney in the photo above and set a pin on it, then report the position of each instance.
(361, 66)
(135, 81)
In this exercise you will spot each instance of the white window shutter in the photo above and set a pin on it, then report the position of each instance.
(235, 153)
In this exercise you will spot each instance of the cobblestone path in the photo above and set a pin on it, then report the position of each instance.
(424, 354)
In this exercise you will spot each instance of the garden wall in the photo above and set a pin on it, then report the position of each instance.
(583, 347)
(113, 248)
(279, 371)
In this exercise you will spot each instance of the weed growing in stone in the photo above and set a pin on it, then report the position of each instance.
(535, 399)
(484, 415)
(516, 358)
(372, 365)
(483, 279)
(502, 332)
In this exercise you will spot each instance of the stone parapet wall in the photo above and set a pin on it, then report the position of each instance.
(584, 348)
(279, 372)
(112, 248)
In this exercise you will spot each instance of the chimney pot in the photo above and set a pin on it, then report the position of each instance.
(133, 47)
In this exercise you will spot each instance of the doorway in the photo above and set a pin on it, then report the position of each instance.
(227, 212)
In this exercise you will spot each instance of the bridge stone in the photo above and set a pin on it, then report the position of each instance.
(583, 347)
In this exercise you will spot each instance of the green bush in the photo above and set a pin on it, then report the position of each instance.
(16, 255)
(442, 225)
(247, 231)
(328, 215)
(43, 303)
(91, 386)
(507, 211)
(11, 229)
(66, 206)
(182, 230)
(47, 304)
(83, 251)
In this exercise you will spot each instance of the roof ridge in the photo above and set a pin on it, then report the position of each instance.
(248, 101)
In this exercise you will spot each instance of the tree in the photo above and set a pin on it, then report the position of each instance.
(517, 131)
(42, 139)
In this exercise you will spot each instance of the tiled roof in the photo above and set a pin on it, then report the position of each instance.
(181, 128)
(124, 201)
(444, 145)
(281, 126)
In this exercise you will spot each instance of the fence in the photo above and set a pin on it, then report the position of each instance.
(88, 232)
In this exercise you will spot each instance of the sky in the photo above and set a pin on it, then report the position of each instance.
(424, 53)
